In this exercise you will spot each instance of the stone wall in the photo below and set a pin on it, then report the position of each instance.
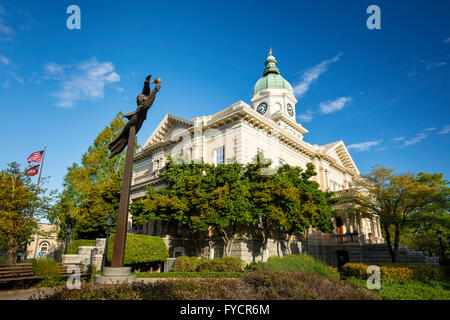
(88, 255)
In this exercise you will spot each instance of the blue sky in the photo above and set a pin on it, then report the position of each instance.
(385, 93)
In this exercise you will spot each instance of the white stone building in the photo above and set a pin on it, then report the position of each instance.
(237, 133)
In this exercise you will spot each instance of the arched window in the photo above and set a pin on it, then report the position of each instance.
(44, 248)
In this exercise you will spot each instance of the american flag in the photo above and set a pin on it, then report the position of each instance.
(32, 171)
(35, 156)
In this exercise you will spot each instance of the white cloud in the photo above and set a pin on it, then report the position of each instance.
(313, 74)
(306, 117)
(364, 146)
(334, 105)
(53, 69)
(6, 32)
(84, 81)
(429, 129)
(432, 65)
(4, 60)
(445, 129)
(7, 77)
(398, 139)
(446, 40)
(419, 137)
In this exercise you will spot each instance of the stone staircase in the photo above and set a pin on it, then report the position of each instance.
(380, 253)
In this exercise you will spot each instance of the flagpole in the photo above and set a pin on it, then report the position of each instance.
(40, 169)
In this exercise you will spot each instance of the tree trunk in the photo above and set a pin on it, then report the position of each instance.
(12, 249)
(264, 248)
(229, 245)
(396, 241)
(288, 247)
(389, 244)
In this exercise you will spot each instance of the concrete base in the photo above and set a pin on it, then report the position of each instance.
(115, 275)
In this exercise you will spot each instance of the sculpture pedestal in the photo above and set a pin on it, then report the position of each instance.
(114, 275)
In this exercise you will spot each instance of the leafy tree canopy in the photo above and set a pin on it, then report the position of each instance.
(400, 200)
(91, 188)
(21, 205)
(234, 198)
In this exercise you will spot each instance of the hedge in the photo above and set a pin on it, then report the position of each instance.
(194, 264)
(140, 248)
(396, 271)
(72, 248)
(296, 262)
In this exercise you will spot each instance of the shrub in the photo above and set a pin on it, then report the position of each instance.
(429, 272)
(48, 269)
(224, 264)
(296, 262)
(256, 285)
(355, 270)
(390, 271)
(194, 264)
(72, 248)
(186, 264)
(302, 286)
(92, 271)
(140, 248)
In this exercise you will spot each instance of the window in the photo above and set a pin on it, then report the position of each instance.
(280, 162)
(218, 252)
(178, 252)
(220, 156)
(44, 248)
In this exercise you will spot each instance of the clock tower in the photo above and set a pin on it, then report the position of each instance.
(273, 95)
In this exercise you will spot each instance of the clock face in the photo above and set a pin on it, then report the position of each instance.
(290, 110)
(262, 108)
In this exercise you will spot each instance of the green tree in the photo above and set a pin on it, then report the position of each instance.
(91, 189)
(398, 199)
(21, 205)
(232, 199)
(304, 204)
(420, 233)
(287, 201)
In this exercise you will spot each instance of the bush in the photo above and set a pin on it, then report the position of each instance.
(256, 285)
(92, 272)
(390, 271)
(194, 264)
(186, 264)
(141, 249)
(204, 274)
(72, 248)
(296, 262)
(48, 269)
(355, 270)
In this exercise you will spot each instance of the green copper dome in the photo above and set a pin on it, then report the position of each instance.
(272, 77)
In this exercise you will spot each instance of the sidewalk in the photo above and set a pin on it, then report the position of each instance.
(23, 294)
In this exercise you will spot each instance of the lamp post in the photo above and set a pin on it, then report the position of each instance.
(68, 231)
(108, 225)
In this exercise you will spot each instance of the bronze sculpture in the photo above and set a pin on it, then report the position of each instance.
(136, 118)
(127, 137)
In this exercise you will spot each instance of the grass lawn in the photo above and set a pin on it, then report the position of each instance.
(411, 289)
(204, 274)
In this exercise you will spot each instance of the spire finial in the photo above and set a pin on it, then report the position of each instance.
(270, 51)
